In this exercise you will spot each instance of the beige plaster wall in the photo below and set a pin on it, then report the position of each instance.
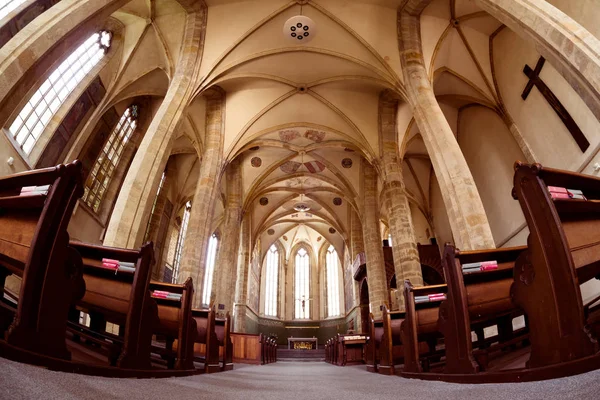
(420, 224)
(7, 150)
(585, 12)
(490, 152)
(540, 125)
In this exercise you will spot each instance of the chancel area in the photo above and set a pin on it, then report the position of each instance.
(383, 192)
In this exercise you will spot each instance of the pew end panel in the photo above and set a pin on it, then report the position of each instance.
(206, 347)
(176, 323)
(34, 246)
(122, 298)
(478, 298)
(420, 324)
(391, 351)
(546, 276)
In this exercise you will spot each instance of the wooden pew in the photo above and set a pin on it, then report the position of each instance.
(34, 245)
(563, 252)
(176, 324)
(477, 300)
(327, 359)
(223, 332)
(246, 348)
(391, 349)
(121, 298)
(420, 325)
(206, 347)
(351, 349)
(373, 347)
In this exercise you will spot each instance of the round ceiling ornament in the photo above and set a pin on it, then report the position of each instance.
(256, 162)
(299, 29)
(263, 201)
(332, 231)
(302, 207)
(337, 201)
(271, 232)
(347, 163)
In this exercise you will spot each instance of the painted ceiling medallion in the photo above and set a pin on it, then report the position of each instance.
(319, 238)
(337, 201)
(271, 232)
(302, 207)
(332, 231)
(254, 148)
(263, 201)
(256, 162)
(347, 163)
(285, 238)
(299, 29)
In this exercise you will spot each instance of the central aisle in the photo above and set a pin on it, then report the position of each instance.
(278, 381)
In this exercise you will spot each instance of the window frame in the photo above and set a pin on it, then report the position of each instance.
(109, 158)
(42, 106)
(180, 240)
(211, 259)
(302, 283)
(272, 281)
(333, 282)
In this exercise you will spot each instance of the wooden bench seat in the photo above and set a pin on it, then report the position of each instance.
(563, 253)
(206, 346)
(175, 323)
(34, 245)
(122, 298)
(420, 325)
(477, 300)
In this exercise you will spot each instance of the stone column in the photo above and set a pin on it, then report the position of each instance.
(227, 257)
(466, 214)
(241, 283)
(193, 260)
(132, 210)
(372, 239)
(569, 47)
(406, 254)
(44, 41)
(356, 236)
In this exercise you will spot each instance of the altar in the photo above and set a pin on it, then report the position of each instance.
(303, 343)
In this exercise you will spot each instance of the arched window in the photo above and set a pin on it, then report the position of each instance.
(109, 157)
(271, 281)
(302, 284)
(333, 283)
(390, 240)
(180, 240)
(41, 107)
(211, 256)
(8, 6)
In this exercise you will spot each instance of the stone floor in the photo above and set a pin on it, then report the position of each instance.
(278, 381)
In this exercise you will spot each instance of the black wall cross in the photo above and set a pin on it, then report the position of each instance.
(535, 80)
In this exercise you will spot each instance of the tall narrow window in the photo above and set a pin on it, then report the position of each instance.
(333, 283)
(302, 281)
(41, 107)
(109, 157)
(390, 240)
(272, 275)
(180, 240)
(8, 6)
(210, 268)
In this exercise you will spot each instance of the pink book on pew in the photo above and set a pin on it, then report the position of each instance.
(110, 261)
(159, 295)
(109, 265)
(488, 267)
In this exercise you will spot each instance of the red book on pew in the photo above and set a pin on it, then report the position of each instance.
(109, 265)
(109, 261)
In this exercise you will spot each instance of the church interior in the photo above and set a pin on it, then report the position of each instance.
(270, 198)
